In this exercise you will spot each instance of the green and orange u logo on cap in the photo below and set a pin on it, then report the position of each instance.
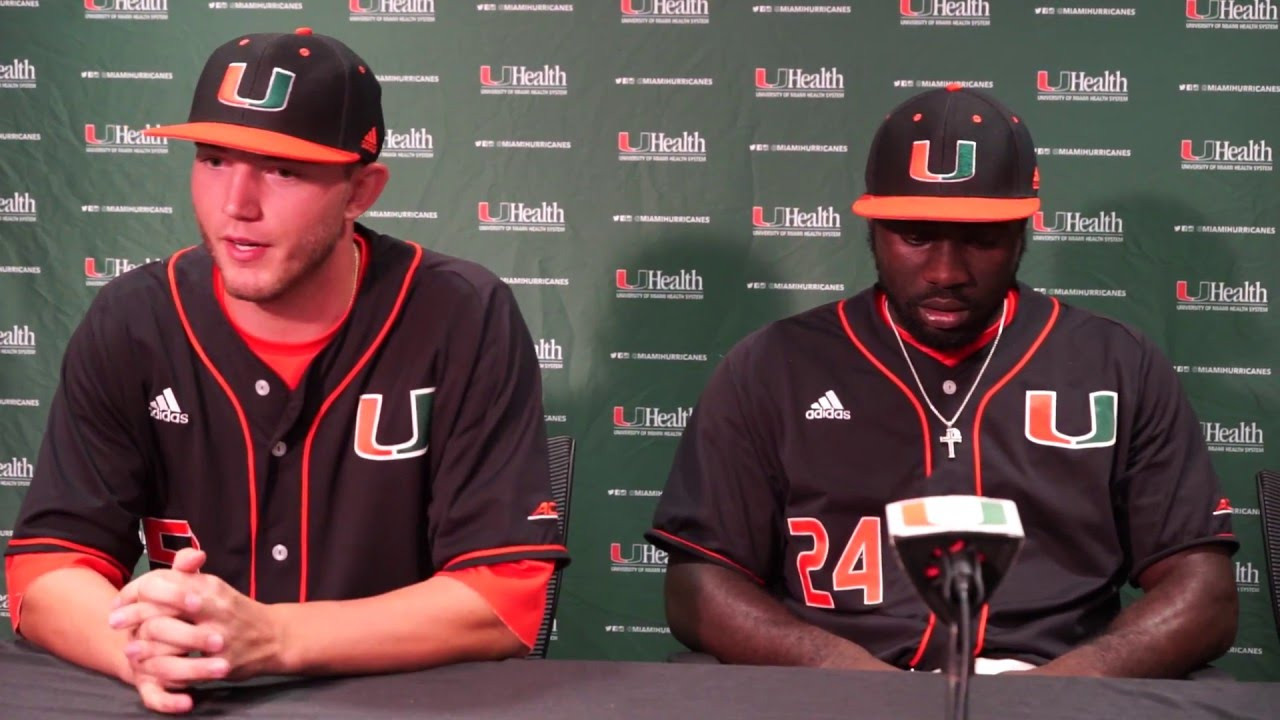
(966, 162)
(275, 98)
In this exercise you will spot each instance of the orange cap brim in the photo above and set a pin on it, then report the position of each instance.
(945, 209)
(254, 140)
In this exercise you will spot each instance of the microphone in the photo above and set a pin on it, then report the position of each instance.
(943, 540)
(956, 549)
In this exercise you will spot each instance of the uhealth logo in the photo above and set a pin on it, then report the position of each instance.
(115, 138)
(637, 558)
(652, 146)
(391, 10)
(825, 83)
(822, 221)
(955, 13)
(1232, 15)
(666, 12)
(1070, 226)
(19, 74)
(658, 284)
(411, 143)
(1248, 579)
(18, 340)
(1220, 296)
(523, 80)
(1251, 156)
(650, 421)
(19, 207)
(1241, 437)
(520, 217)
(16, 472)
(1079, 86)
(97, 274)
(550, 353)
(126, 9)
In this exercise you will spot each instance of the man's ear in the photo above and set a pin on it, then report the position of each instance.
(367, 184)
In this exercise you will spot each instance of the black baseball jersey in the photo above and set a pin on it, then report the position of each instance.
(413, 443)
(812, 424)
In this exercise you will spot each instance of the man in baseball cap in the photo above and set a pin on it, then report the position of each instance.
(331, 440)
(947, 377)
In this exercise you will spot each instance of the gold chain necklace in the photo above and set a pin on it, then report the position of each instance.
(355, 276)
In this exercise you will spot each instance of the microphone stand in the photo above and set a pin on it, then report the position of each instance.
(963, 589)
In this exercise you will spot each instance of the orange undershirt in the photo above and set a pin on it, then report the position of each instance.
(951, 358)
(516, 591)
(290, 360)
(21, 570)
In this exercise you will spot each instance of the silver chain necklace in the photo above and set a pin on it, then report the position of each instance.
(952, 436)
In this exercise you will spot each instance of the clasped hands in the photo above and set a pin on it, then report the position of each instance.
(186, 627)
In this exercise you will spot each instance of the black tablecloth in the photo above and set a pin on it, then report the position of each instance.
(35, 686)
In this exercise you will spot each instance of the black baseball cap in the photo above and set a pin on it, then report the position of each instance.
(953, 155)
(298, 95)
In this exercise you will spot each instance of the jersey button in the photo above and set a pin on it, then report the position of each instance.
(263, 387)
(280, 553)
(949, 387)
(279, 449)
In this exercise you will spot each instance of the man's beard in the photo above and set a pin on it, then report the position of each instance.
(955, 338)
(938, 339)
(300, 264)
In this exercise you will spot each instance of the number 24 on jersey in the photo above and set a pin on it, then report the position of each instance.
(859, 566)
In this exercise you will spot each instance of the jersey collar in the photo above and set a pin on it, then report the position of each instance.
(950, 358)
(304, 347)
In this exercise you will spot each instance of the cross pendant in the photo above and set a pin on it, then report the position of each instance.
(951, 437)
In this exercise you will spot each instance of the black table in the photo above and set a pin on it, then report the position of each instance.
(35, 686)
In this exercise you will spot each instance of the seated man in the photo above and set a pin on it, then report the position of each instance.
(947, 377)
(332, 439)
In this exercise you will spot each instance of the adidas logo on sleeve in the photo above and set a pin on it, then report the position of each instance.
(828, 407)
(165, 408)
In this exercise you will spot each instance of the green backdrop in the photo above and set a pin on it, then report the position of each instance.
(656, 178)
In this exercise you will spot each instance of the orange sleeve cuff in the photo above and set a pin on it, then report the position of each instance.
(516, 590)
(22, 569)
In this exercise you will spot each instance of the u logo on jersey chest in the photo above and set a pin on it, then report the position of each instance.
(368, 420)
(1042, 420)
